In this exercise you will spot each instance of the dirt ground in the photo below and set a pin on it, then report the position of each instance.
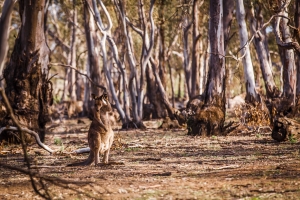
(158, 164)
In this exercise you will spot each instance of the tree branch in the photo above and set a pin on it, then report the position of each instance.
(64, 65)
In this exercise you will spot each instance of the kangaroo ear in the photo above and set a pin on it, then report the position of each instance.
(104, 101)
(105, 96)
(93, 96)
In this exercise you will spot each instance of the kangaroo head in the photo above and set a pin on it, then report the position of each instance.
(101, 102)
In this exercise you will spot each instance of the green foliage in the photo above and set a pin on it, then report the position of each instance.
(292, 139)
(58, 141)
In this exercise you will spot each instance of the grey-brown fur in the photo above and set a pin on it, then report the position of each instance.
(100, 134)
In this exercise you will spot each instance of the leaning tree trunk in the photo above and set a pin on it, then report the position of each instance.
(251, 94)
(261, 47)
(209, 118)
(27, 85)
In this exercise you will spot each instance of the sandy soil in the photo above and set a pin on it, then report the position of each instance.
(158, 164)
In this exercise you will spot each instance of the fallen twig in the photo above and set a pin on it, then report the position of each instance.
(36, 136)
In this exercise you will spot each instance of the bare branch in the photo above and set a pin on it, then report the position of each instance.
(279, 40)
(37, 138)
(64, 65)
(58, 41)
(289, 45)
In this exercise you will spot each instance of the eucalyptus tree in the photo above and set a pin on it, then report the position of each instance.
(133, 79)
(137, 80)
(93, 68)
(284, 40)
(261, 46)
(209, 118)
(186, 25)
(28, 85)
(195, 65)
(72, 55)
(106, 36)
(251, 93)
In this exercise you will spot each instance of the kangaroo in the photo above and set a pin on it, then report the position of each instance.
(100, 134)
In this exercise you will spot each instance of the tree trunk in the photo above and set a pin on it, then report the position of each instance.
(4, 33)
(298, 78)
(209, 117)
(284, 40)
(173, 41)
(297, 20)
(283, 126)
(289, 68)
(28, 88)
(148, 43)
(261, 47)
(227, 19)
(297, 35)
(186, 55)
(161, 90)
(161, 43)
(72, 56)
(132, 82)
(154, 96)
(195, 68)
(251, 94)
(93, 65)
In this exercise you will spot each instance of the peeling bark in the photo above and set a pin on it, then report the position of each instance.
(28, 88)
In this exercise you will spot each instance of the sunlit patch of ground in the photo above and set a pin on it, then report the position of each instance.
(160, 164)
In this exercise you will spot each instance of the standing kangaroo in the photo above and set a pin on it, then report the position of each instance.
(100, 134)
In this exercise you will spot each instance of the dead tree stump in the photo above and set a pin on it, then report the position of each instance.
(285, 128)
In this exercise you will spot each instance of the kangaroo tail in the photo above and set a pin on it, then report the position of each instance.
(88, 161)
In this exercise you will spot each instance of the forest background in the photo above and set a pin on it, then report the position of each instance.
(218, 67)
